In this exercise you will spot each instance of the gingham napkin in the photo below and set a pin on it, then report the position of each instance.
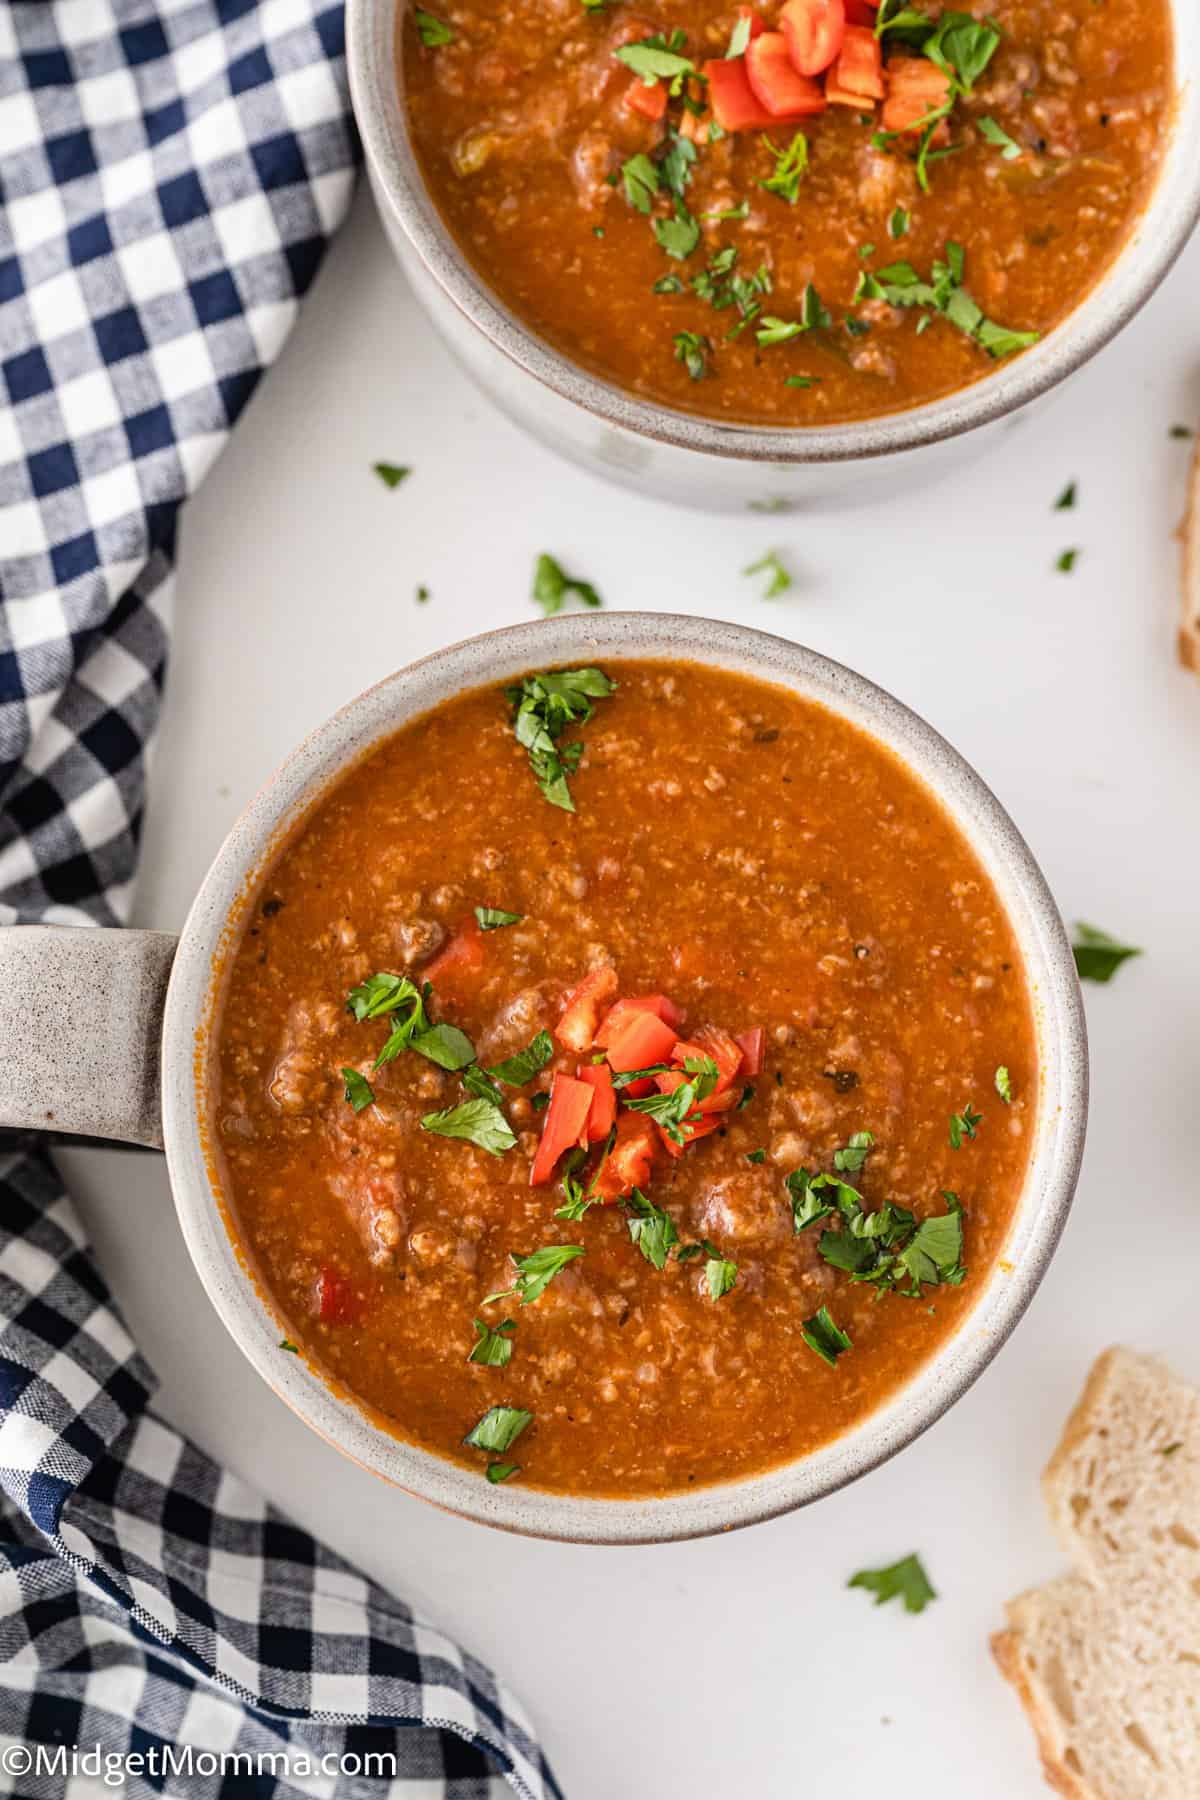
(169, 177)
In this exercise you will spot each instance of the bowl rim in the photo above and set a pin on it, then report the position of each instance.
(1170, 214)
(242, 865)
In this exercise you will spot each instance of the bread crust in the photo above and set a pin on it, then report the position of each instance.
(1007, 1651)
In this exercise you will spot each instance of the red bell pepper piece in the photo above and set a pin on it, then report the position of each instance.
(711, 1041)
(814, 30)
(658, 1004)
(650, 102)
(861, 12)
(736, 109)
(628, 1164)
(565, 1125)
(603, 1114)
(915, 88)
(583, 1008)
(775, 81)
(334, 1299)
(858, 71)
(461, 956)
(695, 1128)
(751, 1045)
(643, 1039)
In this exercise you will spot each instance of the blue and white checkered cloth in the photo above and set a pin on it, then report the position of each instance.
(169, 177)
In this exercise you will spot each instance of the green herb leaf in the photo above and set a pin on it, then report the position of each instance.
(654, 62)
(899, 223)
(778, 331)
(493, 1347)
(779, 579)
(851, 1159)
(500, 1471)
(651, 1229)
(543, 706)
(995, 134)
(536, 1271)
(962, 47)
(963, 1125)
(678, 236)
(434, 32)
(491, 918)
(516, 1070)
(1098, 956)
(905, 1580)
(671, 1111)
(422, 594)
(791, 164)
(824, 1336)
(799, 381)
(756, 1156)
(677, 165)
(1066, 562)
(739, 39)
(499, 1428)
(380, 994)
(477, 1081)
(391, 474)
(720, 1276)
(1066, 499)
(359, 1091)
(294, 1350)
(552, 587)
(692, 351)
(477, 1122)
(444, 1045)
(1004, 1085)
(1181, 432)
(640, 177)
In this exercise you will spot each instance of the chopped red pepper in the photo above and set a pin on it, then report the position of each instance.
(814, 30)
(602, 1117)
(916, 88)
(658, 1004)
(583, 1008)
(629, 1162)
(565, 1125)
(462, 955)
(711, 1041)
(775, 81)
(735, 108)
(861, 12)
(650, 102)
(695, 1128)
(856, 78)
(751, 1044)
(334, 1299)
(643, 1039)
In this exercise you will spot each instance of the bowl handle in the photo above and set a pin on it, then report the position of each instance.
(80, 1025)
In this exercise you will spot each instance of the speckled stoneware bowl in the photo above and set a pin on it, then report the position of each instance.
(88, 1058)
(676, 455)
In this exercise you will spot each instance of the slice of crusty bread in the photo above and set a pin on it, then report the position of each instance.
(1107, 1660)
(1189, 531)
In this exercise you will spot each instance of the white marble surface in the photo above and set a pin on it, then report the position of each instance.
(740, 1667)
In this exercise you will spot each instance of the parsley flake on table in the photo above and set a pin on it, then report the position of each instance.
(1004, 1085)
(552, 586)
(479, 1122)
(536, 1271)
(1066, 500)
(905, 1580)
(651, 1229)
(492, 918)
(1066, 562)
(1181, 432)
(963, 1125)
(294, 1350)
(1098, 956)
(358, 1090)
(823, 1335)
(391, 474)
(543, 706)
(779, 580)
(791, 164)
(434, 31)
(499, 1428)
(493, 1347)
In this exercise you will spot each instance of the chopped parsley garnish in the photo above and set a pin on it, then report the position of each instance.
(679, 235)
(720, 1276)
(477, 1081)
(777, 331)
(493, 1346)
(748, 1093)
(899, 222)
(536, 1271)
(722, 285)
(823, 1335)
(382, 994)
(692, 351)
(669, 1111)
(651, 1229)
(500, 1471)
(851, 1158)
(479, 1122)
(1067, 498)
(720, 216)
(640, 177)
(756, 1156)
(391, 474)
(655, 59)
(739, 38)
(491, 918)
(552, 586)
(778, 578)
(963, 1125)
(676, 166)
(996, 134)
(359, 1091)
(1066, 561)
(1004, 1085)
(516, 1070)
(543, 706)
(422, 594)
(294, 1350)
(1098, 956)
(799, 381)
(900, 285)
(499, 1428)
(577, 1201)
(886, 1247)
(791, 163)
(962, 48)
(434, 32)
(905, 1580)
